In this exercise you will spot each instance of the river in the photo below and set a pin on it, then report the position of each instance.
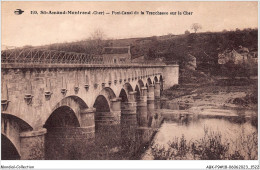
(157, 123)
(235, 125)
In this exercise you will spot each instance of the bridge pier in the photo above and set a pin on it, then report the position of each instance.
(157, 90)
(116, 110)
(157, 104)
(130, 106)
(33, 144)
(142, 107)
(144, 131)
(150, 108)
(111, 116)
(142, 116)
(150, 92)
(88, 122)
(150, 103)
(143, 97)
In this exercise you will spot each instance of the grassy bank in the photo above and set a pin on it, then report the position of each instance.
(210, 147)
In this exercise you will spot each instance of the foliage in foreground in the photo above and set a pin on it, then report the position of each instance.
(209, 147)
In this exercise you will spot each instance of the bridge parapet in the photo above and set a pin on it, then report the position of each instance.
(38, 56)
(50, 58)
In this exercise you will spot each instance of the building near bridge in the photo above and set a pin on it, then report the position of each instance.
(116, 55)
(231, 55)
(241, 56)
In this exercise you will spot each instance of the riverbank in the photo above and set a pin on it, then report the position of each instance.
(203, 90)
(227, 107)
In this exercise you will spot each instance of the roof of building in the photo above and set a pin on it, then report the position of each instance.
(115, 50)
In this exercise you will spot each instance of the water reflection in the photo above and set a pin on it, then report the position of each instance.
(142, 116)
(232, 123)
(165, 104)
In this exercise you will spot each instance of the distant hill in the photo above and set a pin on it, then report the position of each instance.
(172, 48)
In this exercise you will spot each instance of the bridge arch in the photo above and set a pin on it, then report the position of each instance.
(59, 126)
(149, 81)
(140, 83)
(123, 95)
(108, 94)
(161, 78)
(156, 79)
(63, 116)
(138, 87)
(8, 149)
(63, 124)
(127, 87)
(11, 127)
(103, 105)
(71, 104)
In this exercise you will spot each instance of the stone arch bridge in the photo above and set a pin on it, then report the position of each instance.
(46, 90)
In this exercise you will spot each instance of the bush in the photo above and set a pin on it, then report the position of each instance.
(209, 147)
(187, 32)
(177, 150)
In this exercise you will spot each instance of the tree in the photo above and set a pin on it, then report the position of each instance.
(196, 27)
(224, 30)
(187, 32)
(98, 35)
(97, 41)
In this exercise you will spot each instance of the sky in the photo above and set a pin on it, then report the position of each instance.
(42, 29)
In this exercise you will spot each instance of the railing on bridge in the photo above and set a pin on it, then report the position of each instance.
(32, 56)
(36, 56)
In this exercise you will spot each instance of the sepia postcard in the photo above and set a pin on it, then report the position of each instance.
(175, 81)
